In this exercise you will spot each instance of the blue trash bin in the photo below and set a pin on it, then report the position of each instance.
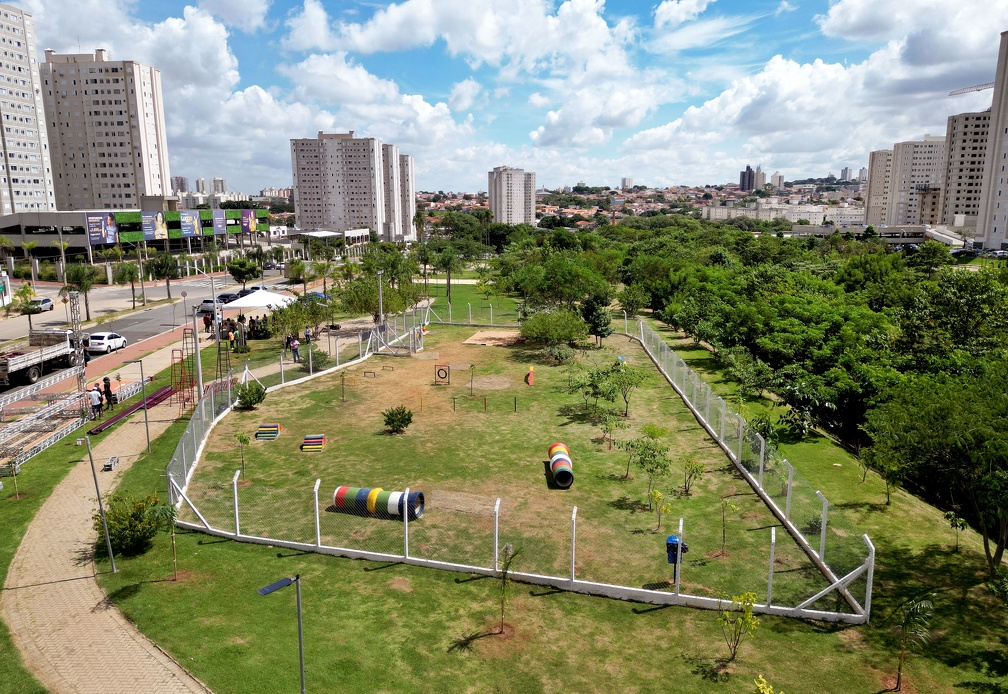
(672, 548)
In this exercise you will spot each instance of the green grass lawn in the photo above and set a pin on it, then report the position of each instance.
(464, 296)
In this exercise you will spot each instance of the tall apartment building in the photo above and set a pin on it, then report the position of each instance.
(747, 179)
(407, 191)
(879, 187)
(180, 184)
(776, 180)
(512, 195)
(904, 184)
(107, 130)
(218, 186)
(201, 186)
(626, 183)
(343, 182)
(966, 138)
(992, 219)
(845, 173)
(26, 168)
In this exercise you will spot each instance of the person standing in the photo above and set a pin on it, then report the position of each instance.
(96, 402)
(109, 399)
(307, 334)
(206, 322)
(295, 349)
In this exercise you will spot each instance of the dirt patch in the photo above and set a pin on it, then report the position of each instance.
(400, 583)
(494, 338)
(465, 503)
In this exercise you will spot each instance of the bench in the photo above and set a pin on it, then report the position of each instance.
(110, 463)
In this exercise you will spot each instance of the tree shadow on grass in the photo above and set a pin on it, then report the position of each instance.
(575, 414)
(625, 503)
(714, 670)
(465, 643)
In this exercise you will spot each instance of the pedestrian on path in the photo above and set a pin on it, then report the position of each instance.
(206, 322)
(295, 347)
(96, 402)
(231, 339)
(307, 334)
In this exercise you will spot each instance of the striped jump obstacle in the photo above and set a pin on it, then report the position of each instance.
(268, 432)
(314, 442)
(561, 466)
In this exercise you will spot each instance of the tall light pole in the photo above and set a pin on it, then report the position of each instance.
(143, 390)
(283, 583)
(101, 506)
(381, 312)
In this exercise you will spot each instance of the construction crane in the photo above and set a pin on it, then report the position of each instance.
(967, 90)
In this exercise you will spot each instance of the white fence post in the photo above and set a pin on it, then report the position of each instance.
(360, 346)
(741, 427)
(281, 369)
(790, 480)
(311, 369)
(626, 327)
(773, 547)
(822, 528)
(762, 457)
(496, 533)
(677, 570)
(573, 543)
(491, 314)
(234, 489)
(405, 523)
(449, 313)
(870, 577)
(470, 313)
(318, 528)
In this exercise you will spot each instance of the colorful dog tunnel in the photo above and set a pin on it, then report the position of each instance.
(314, 442)
(377, 502)
(561, 466)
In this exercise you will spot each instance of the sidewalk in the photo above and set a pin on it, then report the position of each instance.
(68, 633)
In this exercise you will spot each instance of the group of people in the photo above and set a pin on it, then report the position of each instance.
(257, 327)
(101, 397)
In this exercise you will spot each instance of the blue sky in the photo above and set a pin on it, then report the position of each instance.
(669, 92)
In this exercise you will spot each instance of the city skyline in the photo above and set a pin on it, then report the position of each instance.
(676, 93)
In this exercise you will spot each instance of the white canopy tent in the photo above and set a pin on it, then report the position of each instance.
(261, 298)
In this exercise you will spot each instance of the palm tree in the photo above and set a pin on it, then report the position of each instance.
(915, 628)
(322, 269)
(5, 247)
(21, 302)
(28, 247)
(62, 246)
(446, 261)
(80, 277)
(127, 273)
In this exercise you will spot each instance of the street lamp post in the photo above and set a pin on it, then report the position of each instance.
(143, 390)
(381, 312)
(283, 583)
(101, 506)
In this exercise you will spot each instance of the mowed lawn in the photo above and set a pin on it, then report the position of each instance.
(385, 627)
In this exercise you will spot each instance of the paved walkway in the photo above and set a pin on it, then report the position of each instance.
(68, 633)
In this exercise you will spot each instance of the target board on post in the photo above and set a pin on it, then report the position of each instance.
(442, 375)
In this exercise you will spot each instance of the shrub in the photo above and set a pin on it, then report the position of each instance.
(560, 353)
(132, 523)
(319, 357)
(242, 349)
(249, 395)
(999, 584)
(397, 419)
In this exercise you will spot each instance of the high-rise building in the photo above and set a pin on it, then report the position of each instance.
(966, 138)
(343, 182)
(201, 186)
(626, 183)
(992, 219)
(180, 184)
(106, 130)
(879, 187)
(845, 173)
(512, 195)
(26, 167)
(904, 184)
(777, 180)
(747, 179)
(218, 186)
(408, 195)
(759, 178)
(863, 174)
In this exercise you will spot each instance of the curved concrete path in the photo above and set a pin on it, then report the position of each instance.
(69, 635)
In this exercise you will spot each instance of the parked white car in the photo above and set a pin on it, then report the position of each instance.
(104, 343)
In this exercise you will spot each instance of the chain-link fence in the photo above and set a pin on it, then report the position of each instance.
(465, 532)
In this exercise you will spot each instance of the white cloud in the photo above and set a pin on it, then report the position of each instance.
(309, 30)
(701, 34)
(464, 94)
(246, 15)
(537, 100)
(783, 7)
(672, 13)
(332, 78)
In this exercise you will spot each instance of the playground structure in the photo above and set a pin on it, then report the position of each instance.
(268, 432)
(561, 466)
(378, 503)
(183, 372)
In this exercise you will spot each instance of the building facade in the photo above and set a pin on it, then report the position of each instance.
(992, 218)
(747, 179)
(879, 185)
(512, 195)
(180, 184)
(106, 130)
(26, 166)
(965, 160)
(343, 182)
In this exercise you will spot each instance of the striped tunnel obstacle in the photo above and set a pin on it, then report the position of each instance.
(314, 442)
(561, 466)
(268, 432)
(377, 502)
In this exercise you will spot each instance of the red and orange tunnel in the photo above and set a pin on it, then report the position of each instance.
(560, 465)
(377, 502)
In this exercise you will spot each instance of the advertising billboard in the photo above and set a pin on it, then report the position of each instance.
(102, 228)
(248, 222)
(154, 225)
(190, 223)
(219, 223)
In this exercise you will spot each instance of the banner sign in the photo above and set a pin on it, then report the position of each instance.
(102, 228)
(190, 222)
(219, 223)
(154, 226)
(248, 222)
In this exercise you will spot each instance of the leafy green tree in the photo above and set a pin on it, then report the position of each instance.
(243, 269)
(80, 277)
(132, 523)
(127, 273)
(301, 272)
(248, 395)
(957, 524)
(243, 440)
(931, 256)
(693, 470)
(610, 423)
(662, 505)
(397, 419)
(554, 327)
(738, 622)
(164, 266)
(651, 457)
(633, 298)
(626, 379)
(447, 261)
(595, 312)
(21, 303)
